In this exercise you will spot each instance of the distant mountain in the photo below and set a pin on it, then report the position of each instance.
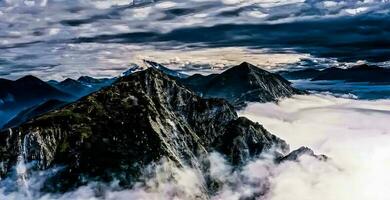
(34, 111)
(300, 74)
(95, 81)
(82, 86)
(357, 73)
(242, 83)
(142, 118)
(74, 87)
(26, 92)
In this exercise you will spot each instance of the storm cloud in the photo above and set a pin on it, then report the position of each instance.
(85, 36)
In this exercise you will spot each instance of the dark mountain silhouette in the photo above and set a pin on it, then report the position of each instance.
(90, 80)
(300, 74)
(357, 73)
(74, 87)
(26, 92)
(82, 86)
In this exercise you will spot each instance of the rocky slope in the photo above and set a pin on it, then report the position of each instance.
(241, 84)
(120, 129)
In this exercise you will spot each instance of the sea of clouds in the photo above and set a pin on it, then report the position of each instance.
(355, 134)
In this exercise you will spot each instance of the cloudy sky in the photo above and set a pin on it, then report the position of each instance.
(61, 38)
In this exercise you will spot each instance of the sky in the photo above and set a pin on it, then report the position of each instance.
(55, 39)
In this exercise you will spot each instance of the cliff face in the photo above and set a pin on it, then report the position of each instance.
(120, 129)
(241, 84)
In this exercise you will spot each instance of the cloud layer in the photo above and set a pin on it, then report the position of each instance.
(355, 134)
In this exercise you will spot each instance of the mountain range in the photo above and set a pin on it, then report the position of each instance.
(141, 118)
(238, 85)
(25, 92)
(22, 96)
(357, 73)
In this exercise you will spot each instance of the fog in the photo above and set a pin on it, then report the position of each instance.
(355, 134)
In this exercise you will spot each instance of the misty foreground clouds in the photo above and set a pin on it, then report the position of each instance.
(355, 134)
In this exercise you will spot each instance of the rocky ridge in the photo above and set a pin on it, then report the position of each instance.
(141, 118)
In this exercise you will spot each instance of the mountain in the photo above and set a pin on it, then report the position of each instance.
(74, 87)
(132, 69)
(142, 118)
(151, 64)
(34, 111)
(82, 86)
(357, 73)
(300, 74)
(87, 80)
(242, 83)
(26, 92)
(164, 69)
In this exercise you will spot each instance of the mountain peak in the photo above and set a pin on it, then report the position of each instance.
(166, 70)
(246, 67)
(151, 71)
(69, 81)
(29, 79)
(245, 64)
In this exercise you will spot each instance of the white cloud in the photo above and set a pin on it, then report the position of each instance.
(355, 134)
(166, 4)
(356, 11)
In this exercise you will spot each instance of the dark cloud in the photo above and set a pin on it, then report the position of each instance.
(365, 37)
(100, 33)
